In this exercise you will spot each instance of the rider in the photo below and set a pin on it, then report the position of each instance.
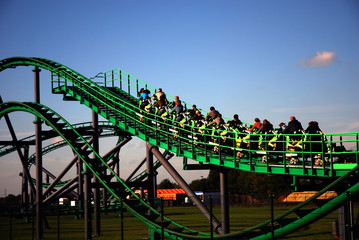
(144, 98)
(315, 140)
(173, 104)
(235, 123)
(193, 111)
(293, 126)
(161, 101)
(282, 126)
(218, 121)
(160, 96)
(313, 127)
(266, 127)
(213, 113)
(256, 126)
(178, 109)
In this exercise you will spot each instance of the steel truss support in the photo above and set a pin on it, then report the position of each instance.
(182, 183)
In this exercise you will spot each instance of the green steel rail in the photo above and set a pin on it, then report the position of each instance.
(30, 140)
(118, 189)
(120, 107)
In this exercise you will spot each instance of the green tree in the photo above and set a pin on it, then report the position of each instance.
(199, 185)
(166, 184)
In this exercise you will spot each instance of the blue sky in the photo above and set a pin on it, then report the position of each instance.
(266, 59)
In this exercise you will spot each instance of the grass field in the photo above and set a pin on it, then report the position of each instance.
(240, 218)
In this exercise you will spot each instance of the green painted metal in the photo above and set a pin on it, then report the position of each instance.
(117, 103)
(58, 124)
(122, 110)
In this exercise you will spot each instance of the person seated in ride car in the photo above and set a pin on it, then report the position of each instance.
(313, 127)
(235, 123)
(159, 95)
(256, 126)
(282, 126)
(144, 98)
(266, 127)
(197, 116)
(218, 121)
(160, 98)
(193, 111)
(213, 113)
(293, 126)
(173, 104)
(178, 109)
(143, 94)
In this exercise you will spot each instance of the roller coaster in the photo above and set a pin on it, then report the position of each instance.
(330, 156)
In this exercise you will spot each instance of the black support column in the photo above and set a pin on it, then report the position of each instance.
(182, 183)
(224, 200)
(38, 129)
(151, 187)
(97, 198)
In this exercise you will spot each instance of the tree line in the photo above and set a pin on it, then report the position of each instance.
(256, 185)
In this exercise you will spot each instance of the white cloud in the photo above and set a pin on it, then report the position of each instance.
(322, 59)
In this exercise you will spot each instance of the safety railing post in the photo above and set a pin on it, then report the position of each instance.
(331, 148)
(284, 153)
(219, 149)
(128, 84)
(104, 79)
(205, 146)
(179, 140)
(303, 162)
(192, 143)
(137, 86)
(121, 79)
(234, 149)
(113, 79)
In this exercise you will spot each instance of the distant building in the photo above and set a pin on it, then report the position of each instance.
(303, 196)
(171, 194)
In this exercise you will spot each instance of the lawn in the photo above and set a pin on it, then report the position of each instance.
(240, 218)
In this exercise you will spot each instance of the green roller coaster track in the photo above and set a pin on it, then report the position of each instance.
(114, 101)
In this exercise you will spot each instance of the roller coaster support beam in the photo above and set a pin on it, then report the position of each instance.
(87, 204)
(97, 200)
(80, 186)
(38, 129)
(25, 185)
(182, 183)
(136, 169)
(21, 155)
(67, 168)
(151, 187)
(224, 200)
